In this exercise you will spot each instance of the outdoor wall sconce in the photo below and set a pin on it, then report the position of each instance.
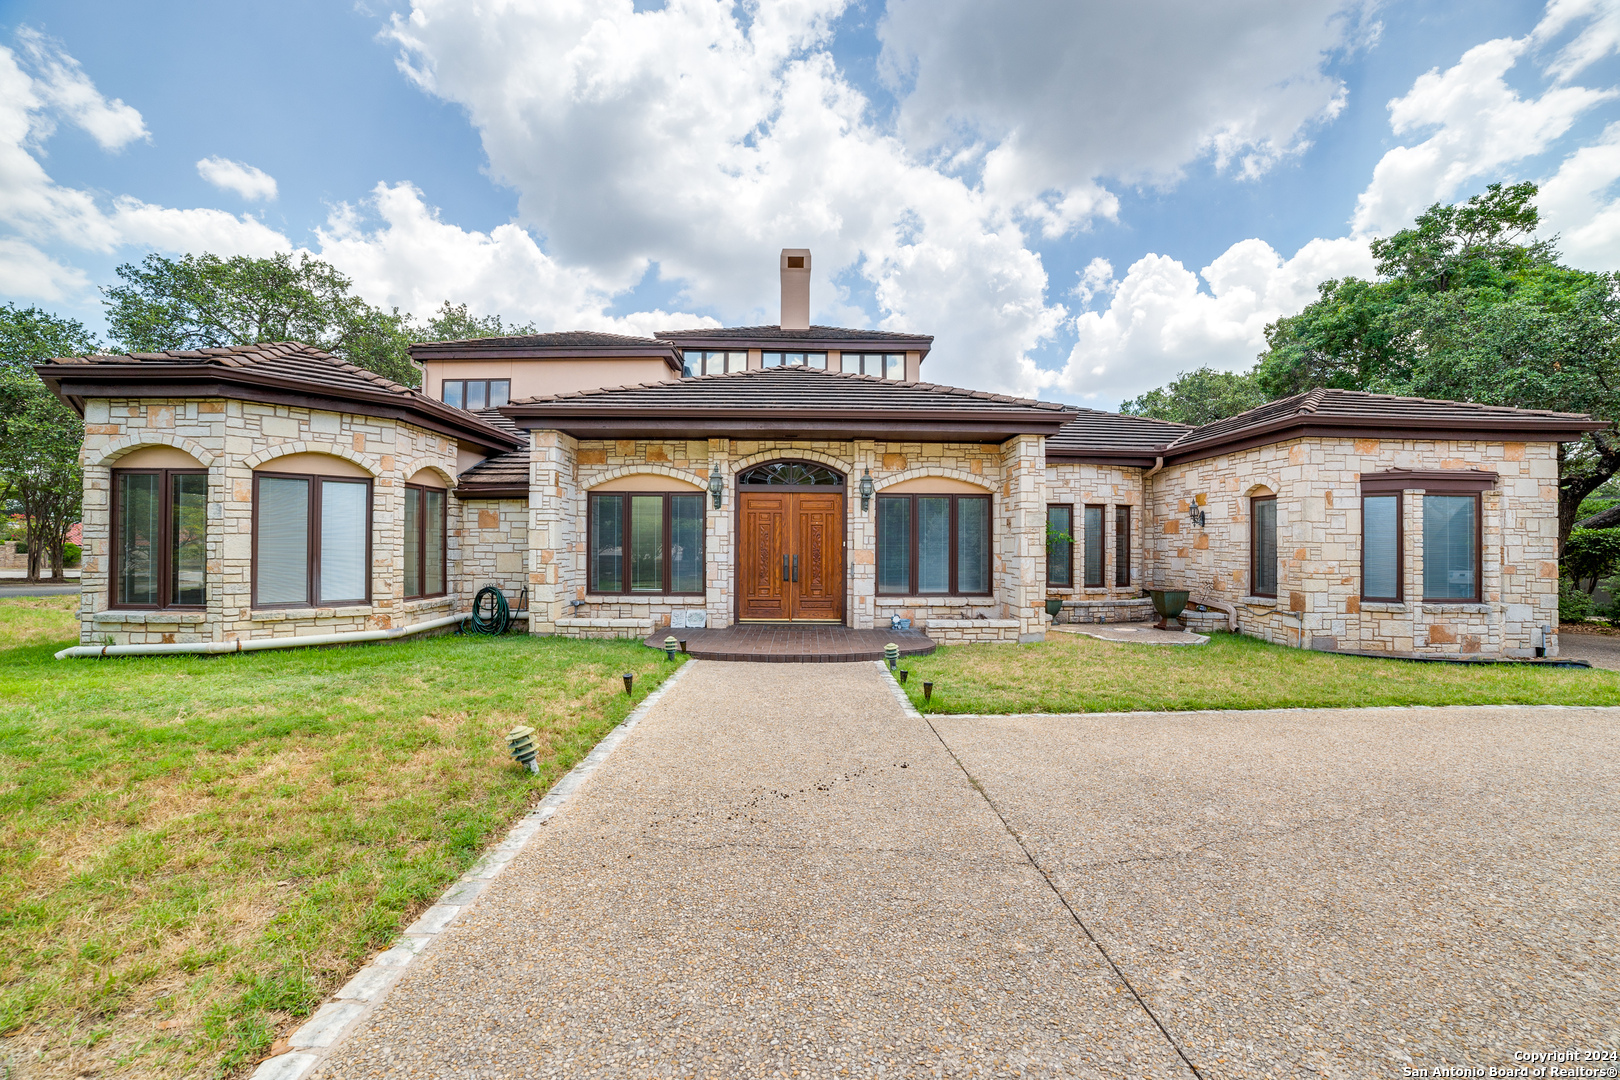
(866, 490)
(717, 485)
(1195, 513)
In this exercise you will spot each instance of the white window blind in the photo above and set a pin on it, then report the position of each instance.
(343, 541)
(1381, 553)
(282, 569)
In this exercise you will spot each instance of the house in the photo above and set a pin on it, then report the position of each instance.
(789, 473)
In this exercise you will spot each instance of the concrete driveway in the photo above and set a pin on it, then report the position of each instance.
(1599, 650)
(781, 873)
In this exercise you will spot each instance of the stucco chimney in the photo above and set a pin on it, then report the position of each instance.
(795, 289)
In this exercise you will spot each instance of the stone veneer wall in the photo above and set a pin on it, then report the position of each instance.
(231, 438)
(494, 542)
(1107, 486)
(563, 471)
(1318, 601)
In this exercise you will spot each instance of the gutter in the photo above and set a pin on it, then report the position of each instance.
(211, 647)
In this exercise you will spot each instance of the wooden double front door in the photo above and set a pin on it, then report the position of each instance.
(791, 556)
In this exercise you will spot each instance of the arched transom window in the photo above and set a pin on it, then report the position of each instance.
(790, 474)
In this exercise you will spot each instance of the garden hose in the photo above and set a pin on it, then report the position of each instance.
(499, 618)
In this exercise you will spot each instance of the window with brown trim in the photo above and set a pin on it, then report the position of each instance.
(1382, 561)
(1122, 546)
(160, 538)
(424, 542)
(1060, 545)
(311, 540)
(1263, 545)
(645, 543)
(475, 394)
(1451, 548)
(1095, 547)
(933, 545)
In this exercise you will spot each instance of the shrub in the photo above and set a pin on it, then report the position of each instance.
(71, 554)
(1573, 604)
(1591, 554)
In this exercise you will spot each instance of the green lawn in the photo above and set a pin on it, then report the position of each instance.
(196, 851)
(1071, 674)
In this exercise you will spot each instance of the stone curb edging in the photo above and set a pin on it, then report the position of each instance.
(899, 694)
(1251, 712)
(322, 1032)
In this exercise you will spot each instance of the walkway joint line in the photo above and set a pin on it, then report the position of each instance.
(1064, 900)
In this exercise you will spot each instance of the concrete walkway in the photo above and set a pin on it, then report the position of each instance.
(781, 872)
(778, 873)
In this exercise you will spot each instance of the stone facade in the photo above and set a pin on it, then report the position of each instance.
(230, 439)
(1318, 601)
(492, 536)
(1108, 486)
(563, 471)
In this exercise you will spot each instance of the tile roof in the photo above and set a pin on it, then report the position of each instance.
(505, 475)
(559, 339)
(776, 333)
(286, 365)
(1330, 408)
(1113, 435)
(798, 388)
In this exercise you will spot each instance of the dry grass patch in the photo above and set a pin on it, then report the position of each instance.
(194, 852)
(1073, 674)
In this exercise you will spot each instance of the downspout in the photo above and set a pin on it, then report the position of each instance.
(347, 638)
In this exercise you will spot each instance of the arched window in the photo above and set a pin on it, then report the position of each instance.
(790, 474)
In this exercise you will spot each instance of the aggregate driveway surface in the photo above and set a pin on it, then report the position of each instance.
(1334, 893)
(778, 873)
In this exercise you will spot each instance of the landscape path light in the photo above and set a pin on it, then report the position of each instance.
(520, 741)
(670, 645)
(629, 679)
(891, 654)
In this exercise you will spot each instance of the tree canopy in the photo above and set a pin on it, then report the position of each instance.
(39, 436)
(204, 301)
(1199, 397)
(1468, 305)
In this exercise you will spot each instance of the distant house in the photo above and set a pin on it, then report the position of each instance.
(788, 473)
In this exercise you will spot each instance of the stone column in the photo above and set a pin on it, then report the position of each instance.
(556, 529)
(862, 561)
(1021, 542)
(719, 541)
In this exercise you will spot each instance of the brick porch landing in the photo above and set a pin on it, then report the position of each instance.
(775, 643)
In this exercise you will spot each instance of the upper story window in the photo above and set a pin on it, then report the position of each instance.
(160, 538)
(712, 362)
(475, 394)
(883, 365)
(795, 359)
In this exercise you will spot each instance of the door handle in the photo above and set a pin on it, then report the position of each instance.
(784, 567)
(795, 568)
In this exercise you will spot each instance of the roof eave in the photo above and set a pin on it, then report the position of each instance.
(73, 383)
(669, 354)
(1528, 429)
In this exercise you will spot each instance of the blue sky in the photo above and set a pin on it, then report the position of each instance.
(957, 168)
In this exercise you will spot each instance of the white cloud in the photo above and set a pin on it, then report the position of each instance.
(27, 273)
(412, 260)
(1573, 204)
(61, 84)
(1482, 127)
(1161, 323)
(247, 181)
(1051, 98)
(40, 212)
(1598, 38)
(690, 139)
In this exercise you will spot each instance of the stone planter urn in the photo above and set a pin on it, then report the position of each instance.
(1053, 607)
(1169, 603)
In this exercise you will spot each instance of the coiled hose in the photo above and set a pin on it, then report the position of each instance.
(499, 617)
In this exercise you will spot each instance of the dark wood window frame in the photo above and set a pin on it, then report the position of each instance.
(312, 553)
(463, 383)
(912, 560)
(1479, 550)
(1122, 547)
(1473, 482)
(1068, 581)
(1254, 547)
(1400, 548)
(165, 542)
(420, 585)
(1102, 547)
(624, 570)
